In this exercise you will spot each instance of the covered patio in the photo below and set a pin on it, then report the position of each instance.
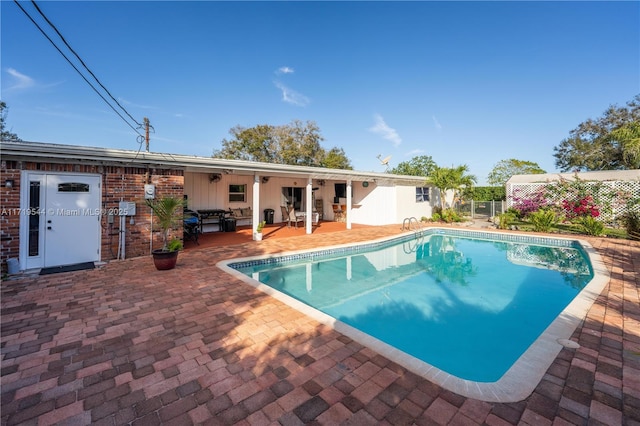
(127, 344)
(244, 234)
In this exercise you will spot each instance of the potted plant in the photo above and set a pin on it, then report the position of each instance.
(166, 212)
(258, 235)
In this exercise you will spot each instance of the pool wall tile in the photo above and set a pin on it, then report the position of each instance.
(493, 236)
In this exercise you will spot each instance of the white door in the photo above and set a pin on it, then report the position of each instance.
(62, 223)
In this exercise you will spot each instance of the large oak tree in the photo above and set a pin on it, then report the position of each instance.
(504, 169)
(296, 144)
(610, 142)
(421, 165)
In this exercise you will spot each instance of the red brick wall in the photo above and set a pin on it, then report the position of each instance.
(9, 219)
(118, 183)
(127, 184)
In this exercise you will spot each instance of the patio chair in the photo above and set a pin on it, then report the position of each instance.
(285, 215)
(290, 215)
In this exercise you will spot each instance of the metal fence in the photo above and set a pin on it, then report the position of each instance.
(480, 209)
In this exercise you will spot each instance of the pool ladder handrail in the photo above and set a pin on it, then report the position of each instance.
(411, 223)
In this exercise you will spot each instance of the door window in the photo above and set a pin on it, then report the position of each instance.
(73, 187)
(292, 196)
(34, 218)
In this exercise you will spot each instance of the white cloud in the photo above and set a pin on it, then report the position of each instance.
(414, 152)
(381, 128)
(436, 123)
(21, 81)
(291, 96)
(285, 70)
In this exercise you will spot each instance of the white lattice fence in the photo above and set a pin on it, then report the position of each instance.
(617, 192)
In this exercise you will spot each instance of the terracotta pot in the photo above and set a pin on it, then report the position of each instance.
(164, 259)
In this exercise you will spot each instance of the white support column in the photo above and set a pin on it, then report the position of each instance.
(255, 205)
(308, 219)
(348, 212)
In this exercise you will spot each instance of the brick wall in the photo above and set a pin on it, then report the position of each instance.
(118, 183)
(127, 184)
(9, 219)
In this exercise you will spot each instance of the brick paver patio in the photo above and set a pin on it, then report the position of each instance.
(126, 344)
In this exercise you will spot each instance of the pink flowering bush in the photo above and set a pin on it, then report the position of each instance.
(581, 207)
(531, 204)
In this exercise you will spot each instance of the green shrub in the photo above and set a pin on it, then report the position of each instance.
(450, 215)
(174, 245)
(590, 226)
(506, 219)
(631, 223)
(543, 220)
(436, 217)
(484, 193)
(515, 212)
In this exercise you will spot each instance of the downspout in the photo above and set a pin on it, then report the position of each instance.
(349, 204)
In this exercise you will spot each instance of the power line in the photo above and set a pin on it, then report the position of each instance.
(82, 62)
(77, 70)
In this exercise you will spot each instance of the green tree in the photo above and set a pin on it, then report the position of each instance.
(603, 143)
(336, 158)
(451, 178)
(506, 168)
(421, 165)
(6, 135)
(628, 136)
(296, 143)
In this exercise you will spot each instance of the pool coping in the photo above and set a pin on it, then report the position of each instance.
(526, 372)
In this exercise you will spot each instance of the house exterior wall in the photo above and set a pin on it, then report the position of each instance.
(118, 183)
(408, 206)
(374, 205)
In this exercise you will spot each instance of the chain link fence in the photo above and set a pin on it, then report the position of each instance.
(480, 209)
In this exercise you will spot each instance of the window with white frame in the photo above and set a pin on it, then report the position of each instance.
(237, 193)
(422, 194)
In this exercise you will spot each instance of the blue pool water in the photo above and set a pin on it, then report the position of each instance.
(467, 306)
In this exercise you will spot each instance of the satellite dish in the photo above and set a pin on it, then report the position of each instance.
(384, 161)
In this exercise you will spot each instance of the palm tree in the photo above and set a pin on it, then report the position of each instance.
(450, 178)
(167, 212)
(628, 137)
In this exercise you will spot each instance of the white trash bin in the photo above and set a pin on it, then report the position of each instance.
(13, 267)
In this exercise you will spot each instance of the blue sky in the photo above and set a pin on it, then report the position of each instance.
(464, 82)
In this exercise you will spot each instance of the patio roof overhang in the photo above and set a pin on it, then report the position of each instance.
(59, 153)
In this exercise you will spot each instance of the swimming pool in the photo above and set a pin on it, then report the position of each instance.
(441, 304)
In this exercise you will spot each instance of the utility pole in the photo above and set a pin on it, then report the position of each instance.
(146, 130)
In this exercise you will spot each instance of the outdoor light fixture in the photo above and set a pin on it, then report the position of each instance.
(8, 183)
